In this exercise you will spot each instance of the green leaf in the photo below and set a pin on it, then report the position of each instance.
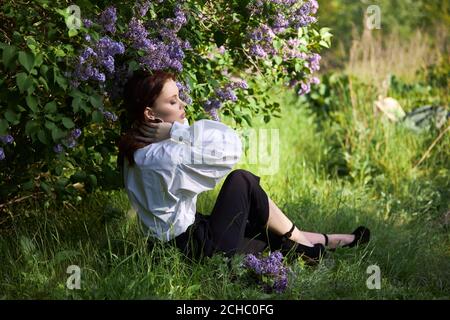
(23, 82)
(32, 102)
(73, 32)
(248, 119)
(44, 186)
(26, 59)
(9, 52)
(68, 123)
(50, 107)
(12, 117)
(97, 116)
(278, 59)
(28, 185)
(4, 125)
(96, 100)
(60, 80)
(57, 134)
(92, 180)
(39, 60)
(76, 104)
(50, 125)
(31, 127)
(43, 137)
(324, 44)
(43, 70)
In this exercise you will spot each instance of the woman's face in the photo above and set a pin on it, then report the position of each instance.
(168, 106)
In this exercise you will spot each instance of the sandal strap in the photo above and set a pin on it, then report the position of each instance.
(288, 234)
(326, 239)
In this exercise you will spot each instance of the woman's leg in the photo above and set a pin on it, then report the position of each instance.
(279, 223)
(241, 207)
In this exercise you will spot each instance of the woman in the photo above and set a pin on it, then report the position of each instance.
(167, 163)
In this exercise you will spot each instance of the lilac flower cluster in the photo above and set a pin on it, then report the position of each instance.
(222, 95)
(291, 50)
(58, 148)
(5, 139)
(163, 49)
(184, 91)
(141, 8)
(95, 61)
(110, 116)
(271, 267)
(70, 141)
(288, 14)
(108, 19)
(305, 85)
(304, 15)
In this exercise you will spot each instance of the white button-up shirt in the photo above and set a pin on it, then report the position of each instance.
(167, 177)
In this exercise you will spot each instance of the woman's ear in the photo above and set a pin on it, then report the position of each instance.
(149, 114)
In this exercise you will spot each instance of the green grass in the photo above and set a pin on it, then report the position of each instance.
(334, 174)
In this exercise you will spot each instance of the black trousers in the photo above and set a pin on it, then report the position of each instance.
(237, 224)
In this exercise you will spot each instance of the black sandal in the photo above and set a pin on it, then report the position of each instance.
(311, 254)
(362, 235)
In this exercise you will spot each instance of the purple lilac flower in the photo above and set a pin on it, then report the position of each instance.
(214, 114)
(241, 84)
(99, 56)
(226, 93)
(7, 139)
(305, 88)
(281, 284)
(251, 261)
(167, 49)
(179, 20)
(2, 154)
(142, 8)
(315, 80)
(258, 51)
(87, 53)
(110, 116)
(71, 142)
(314, 62)
(212, 104)
(184, 92)
(87, 23)
(302, 16)
(271, 266)
(280, 23)
(107, 47)
(76, 133)
(138, 35)
(97, 75)
(58, 148)
(108, 19)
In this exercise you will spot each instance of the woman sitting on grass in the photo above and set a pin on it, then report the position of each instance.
(167, 163)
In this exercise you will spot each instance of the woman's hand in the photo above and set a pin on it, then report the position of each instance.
(151, 132)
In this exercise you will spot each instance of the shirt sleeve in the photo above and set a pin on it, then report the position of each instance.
(208, 150)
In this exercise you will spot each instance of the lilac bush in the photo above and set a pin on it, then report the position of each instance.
(62, 87)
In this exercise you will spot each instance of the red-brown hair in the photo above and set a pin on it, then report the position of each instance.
(140, 92)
